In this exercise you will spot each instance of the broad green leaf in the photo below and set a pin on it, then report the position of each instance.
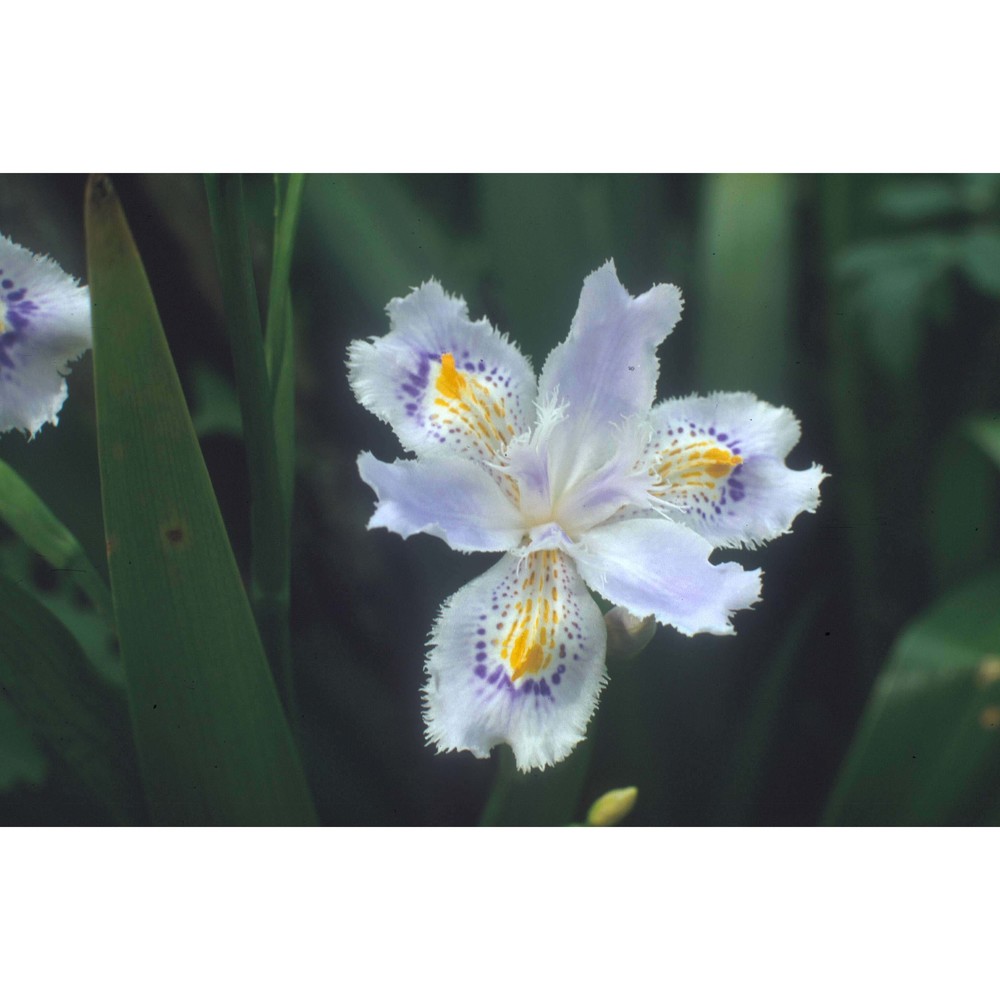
(928, 746)
(746, 259)
(214, 747)
(28, 516)
(21, 761)
(56, 692)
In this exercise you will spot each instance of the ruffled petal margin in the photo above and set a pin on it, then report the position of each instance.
(44, 324)
(445, 384)
(606, 369)
(517, 657)
(720, 460)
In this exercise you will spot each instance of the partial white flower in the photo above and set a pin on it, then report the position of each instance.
(44, 324)
(583, 483)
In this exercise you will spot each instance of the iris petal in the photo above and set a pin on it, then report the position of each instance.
(445, 384)
(720, 460)
(517, 657)
(606, 369)
(654, 567)
(444, 496)
(44, 324)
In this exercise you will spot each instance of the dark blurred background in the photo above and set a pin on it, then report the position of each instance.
(870, 305)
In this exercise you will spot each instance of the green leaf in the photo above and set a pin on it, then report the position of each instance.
(928, 746)
(270, 508)
(56, 692)
(279, 339)
(29, 517)
(743, 340)
(214, 747)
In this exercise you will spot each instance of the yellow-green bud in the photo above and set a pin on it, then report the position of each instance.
(612, 807)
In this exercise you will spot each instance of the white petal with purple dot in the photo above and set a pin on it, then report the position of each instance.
(44, 324)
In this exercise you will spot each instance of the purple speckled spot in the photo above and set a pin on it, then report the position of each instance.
(480, 657)
(480, 670)
(556, 679)
(7, 283)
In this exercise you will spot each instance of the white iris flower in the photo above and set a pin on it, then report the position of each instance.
(583, 483)
(44, 324)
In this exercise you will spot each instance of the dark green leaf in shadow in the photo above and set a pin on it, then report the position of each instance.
(537, 798)
(891, 286)
(962, 508)
(30, 518)
(918, 200)
(373, 230)
(979, 259)
(985, 431)
(74, 713)
(214, 747)
(215, 408)
(754, 747)
(539, 231)
(928, 746)
(21, 761)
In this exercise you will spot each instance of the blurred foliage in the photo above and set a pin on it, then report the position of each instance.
(868, 304)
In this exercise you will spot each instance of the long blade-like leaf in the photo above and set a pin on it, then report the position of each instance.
(213, 744)
(928, 748)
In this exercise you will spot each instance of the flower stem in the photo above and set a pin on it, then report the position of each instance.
(270, 511)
